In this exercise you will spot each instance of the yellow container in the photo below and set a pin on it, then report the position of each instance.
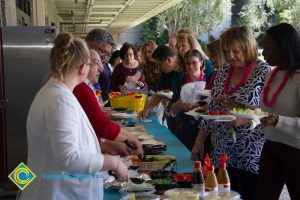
(134, 102)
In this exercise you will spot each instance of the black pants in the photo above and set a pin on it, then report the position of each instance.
(171, 122)
(243, 182)
(186, 129)
(279, 165)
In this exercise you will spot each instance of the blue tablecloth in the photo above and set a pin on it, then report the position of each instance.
(174, 147)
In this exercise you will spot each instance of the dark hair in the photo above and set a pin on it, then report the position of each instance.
(99, 35)
(162, 52)
(125, 48)
(288, 40)
(114, 56)
(193, 53)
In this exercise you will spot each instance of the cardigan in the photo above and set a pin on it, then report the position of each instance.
(102, 125)
(287, 129)
(119, 76)
(61, 144)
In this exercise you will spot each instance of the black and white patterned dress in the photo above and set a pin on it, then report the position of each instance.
(244, 154)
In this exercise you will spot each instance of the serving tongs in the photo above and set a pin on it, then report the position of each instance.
(168, 164)
(133, 147)
(150, 148)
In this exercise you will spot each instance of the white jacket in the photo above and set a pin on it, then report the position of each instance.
(61, 141)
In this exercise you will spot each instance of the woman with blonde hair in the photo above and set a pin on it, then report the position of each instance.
(150, 68)
(61, 141)
(238, 84)
(186, 41)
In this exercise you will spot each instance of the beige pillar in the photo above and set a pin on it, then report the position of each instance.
(10, 13)
(38, 12)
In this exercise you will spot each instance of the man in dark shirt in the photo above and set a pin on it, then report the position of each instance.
(168, 80)
(103, 42)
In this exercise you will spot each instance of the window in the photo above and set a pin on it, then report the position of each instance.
(25, 6)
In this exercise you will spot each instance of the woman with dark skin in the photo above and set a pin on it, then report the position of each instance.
(280, 160)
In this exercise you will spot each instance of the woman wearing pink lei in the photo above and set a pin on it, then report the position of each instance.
(237, 83)
(280, 159)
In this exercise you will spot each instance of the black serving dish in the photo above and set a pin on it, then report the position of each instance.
(162, 185)
(183, 180)
(150, 149)
(158, 174)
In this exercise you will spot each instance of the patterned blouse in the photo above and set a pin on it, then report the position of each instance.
(241, 144)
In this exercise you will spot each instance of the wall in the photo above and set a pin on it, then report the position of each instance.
(51, 14)
(132, 36)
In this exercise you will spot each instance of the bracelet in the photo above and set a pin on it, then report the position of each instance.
(117, 166)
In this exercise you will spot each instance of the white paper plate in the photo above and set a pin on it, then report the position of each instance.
(194, 114)
(151, 141)
(220, 118)
(168, 95)
(248, 116)
(124, 115)
(206, 93)
(182, 192)
(132, 187)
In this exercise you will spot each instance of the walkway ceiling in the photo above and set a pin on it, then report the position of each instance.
(81, 16)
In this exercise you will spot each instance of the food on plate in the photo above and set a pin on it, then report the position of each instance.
(247, 111)
(152, 159)
(182, 177)
(158, 174)
(163, 184)
(182, 193)
(183, 180)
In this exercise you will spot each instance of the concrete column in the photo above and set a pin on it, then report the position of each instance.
(236, 8)
(9, 13)
(38, 12)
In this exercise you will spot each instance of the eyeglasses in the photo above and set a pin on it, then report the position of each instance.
(94, 63)
(103, 53)
(192, 63)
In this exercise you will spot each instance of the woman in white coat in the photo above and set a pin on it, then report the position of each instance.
(63, 150)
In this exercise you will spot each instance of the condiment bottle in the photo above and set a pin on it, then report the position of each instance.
(211, 183)
(223, 178)
(207, 163)
(198, 180)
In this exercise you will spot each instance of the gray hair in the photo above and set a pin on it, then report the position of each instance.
(99, 35)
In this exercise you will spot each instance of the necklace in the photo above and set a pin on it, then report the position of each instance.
(211, 82)
(189, 80)
(277, 92)
(238, 85)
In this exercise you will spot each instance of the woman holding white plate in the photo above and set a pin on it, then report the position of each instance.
(280, 158)
(241, 80)
(186, 126)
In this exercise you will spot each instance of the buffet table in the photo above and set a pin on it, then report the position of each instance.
(174, 147)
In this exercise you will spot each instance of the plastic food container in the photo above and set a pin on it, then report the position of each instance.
(134, 102)
(231, 196)
(182, 193)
